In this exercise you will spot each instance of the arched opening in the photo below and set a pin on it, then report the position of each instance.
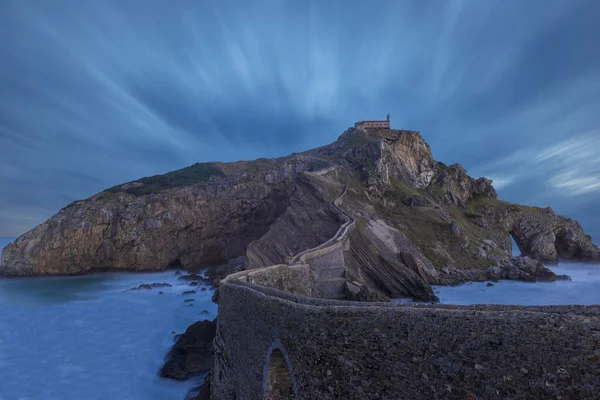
(175, 264)
(279, 383)
(515, 250)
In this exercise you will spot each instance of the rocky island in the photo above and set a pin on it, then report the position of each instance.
(314, 245)
(417, 222)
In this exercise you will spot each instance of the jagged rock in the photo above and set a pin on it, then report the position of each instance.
(547, 237)
(193, 283)
(483, 187)
(461, 188)
(188, 292)
(513, 268)
(149, 286)
(521, 268)
(192, 353)
(549, 211)
(189, 300)
(490, 284)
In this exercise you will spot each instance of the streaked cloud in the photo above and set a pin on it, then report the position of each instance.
(97, 93)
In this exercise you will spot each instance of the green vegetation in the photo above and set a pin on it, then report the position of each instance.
(404, 190)
(197, 173)
(472, 215)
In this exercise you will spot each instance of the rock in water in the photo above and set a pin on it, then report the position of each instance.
(192, 353)
(146, 286)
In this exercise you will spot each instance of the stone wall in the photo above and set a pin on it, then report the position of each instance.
(292, 279)
(344, 350)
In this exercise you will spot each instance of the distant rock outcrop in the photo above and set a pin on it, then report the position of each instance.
(414, 219)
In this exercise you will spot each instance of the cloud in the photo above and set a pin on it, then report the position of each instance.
(94, 94)
(502, 182)
(576, 162)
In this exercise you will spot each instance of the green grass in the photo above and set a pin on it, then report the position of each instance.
(197, 173)
(471, 215)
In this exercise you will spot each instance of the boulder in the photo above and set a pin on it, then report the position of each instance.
(192, 353)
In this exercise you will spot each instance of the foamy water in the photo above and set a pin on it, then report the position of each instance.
(86, 338)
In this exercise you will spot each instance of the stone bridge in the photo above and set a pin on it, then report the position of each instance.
(284, 333)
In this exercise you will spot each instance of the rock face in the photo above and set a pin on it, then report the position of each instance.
(190, 226)
(192, 353)
(414, 218)
(549, 237)
(149, 286)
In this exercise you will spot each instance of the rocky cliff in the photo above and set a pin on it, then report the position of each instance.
(418, 222)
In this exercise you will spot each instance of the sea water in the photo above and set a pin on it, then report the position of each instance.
(584, 288)
(88, 337)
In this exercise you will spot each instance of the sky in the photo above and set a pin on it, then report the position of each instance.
(93, 94)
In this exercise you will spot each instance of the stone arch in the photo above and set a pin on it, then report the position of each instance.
(279, 382)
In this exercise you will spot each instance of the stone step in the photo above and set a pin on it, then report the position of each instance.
(329, 273)
(331, 288)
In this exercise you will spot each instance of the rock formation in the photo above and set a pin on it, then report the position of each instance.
(192, 353)
(418, 222)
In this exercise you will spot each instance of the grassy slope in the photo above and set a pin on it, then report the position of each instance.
(197, 173)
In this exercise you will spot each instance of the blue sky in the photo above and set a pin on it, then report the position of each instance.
(98, 93)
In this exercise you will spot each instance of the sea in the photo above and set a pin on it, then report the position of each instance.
(88, 337)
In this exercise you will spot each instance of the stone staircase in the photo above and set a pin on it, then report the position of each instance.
(330, 282)
(331, 289)
(326, 261)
